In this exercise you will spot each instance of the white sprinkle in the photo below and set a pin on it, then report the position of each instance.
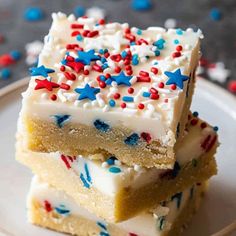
(170, 23)
(104, 164)
(96, 13)
(117, 163)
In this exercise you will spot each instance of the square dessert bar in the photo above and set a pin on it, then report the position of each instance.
(116, 192)
(54, 209)
(111, 88)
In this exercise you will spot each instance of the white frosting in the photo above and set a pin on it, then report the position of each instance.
(146, 224)
(159, 117)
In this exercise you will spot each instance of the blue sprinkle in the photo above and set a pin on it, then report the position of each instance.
(146, 94)
(86, 184)
(101, 225)
(111, 160)
(79, 37)
(5, 73)
(108, 81)
(195, 114)
(141, 5)
(123, 54)
(101, 51)
(132, 139)
(33, 14)
(135, 60)
(60, 120)
(179, 31)
(157, 53)
(139, 32)
(132, 43)
(103, 60)
(16, 55)
(102, 78)
(88, 177)
(215, 14)
(161, 221)
(105, 50)
(104, 234)
(112, 103)
(176, 169)
(62, 211)
(79, 11)
(102, 126)
(176, 41)
(160, 43)
(178, 197)
(215, 128)
(104, 66)
(128, 99)
(191, 192)
(114, 169)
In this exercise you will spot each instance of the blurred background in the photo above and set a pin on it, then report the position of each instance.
(24, 23)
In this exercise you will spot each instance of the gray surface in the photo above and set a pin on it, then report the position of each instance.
(220, 37)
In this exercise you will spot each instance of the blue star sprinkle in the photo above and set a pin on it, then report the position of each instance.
(122, 79)
(176, 78)
(132, 140)
(60, 120)
(42, 70)
(87, 92)
(103, 229)
(87, 57)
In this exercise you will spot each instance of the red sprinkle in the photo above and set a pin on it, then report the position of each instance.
(129, 72)
(107, 75)
(116, 96)
(232, 86)
(130, 90)
(179, 48)
(154, 96)
(116, 57)
(54, 97)
(153, 90)
(154, 70)
(146, 137)
(161, 85)
(144, 73)
(92, 34)
(203, 125)
(117, 69)
(176, 54)
(86, 72)
(74, 33)
(143, 79)
(77, 26)
(6, 60)
(173, 87)
(70, 76)
(141, 106)
(101, 22)
(102, 84)
(62, 68)
(123, 105)
(194, 121)
(64, 159)
(47, 206)
(65, 86)
(97, 68)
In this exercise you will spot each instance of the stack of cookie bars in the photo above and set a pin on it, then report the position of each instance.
(106, 128)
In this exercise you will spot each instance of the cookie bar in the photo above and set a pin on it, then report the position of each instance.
(117, 192)
(53, 209)
(111, 88)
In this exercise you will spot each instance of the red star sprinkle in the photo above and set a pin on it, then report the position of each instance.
(45, 84)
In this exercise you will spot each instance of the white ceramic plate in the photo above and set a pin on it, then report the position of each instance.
(219, 207)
